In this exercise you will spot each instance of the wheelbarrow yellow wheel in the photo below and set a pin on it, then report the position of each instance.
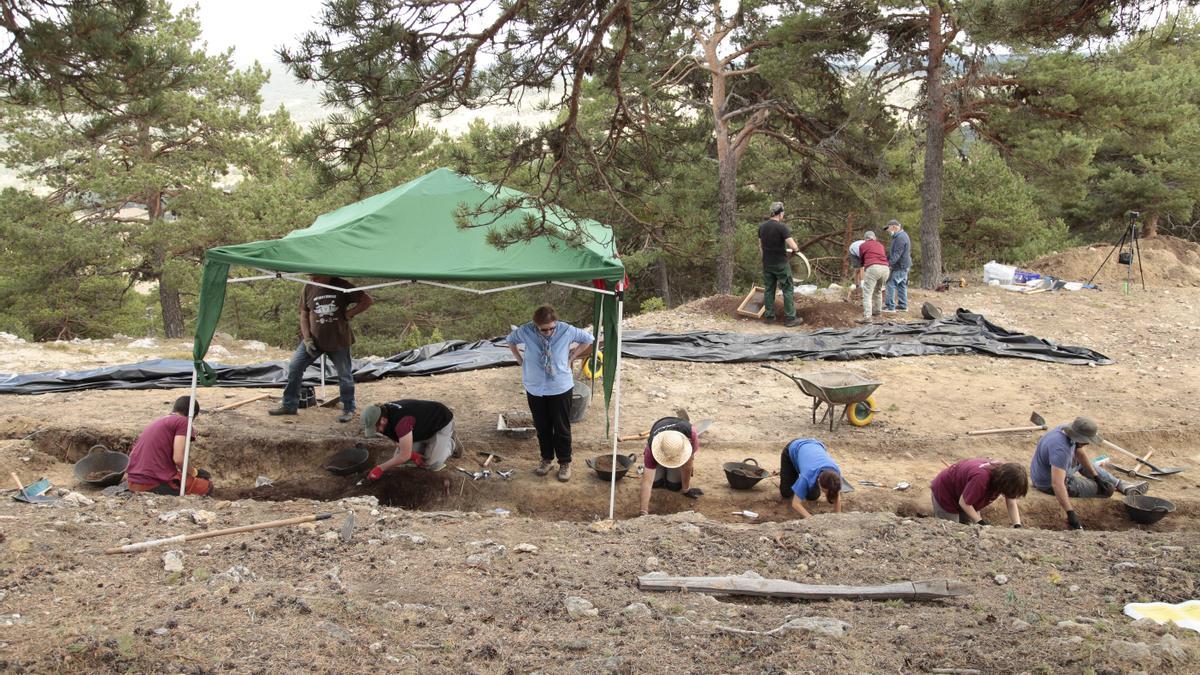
(587, 367)
(860, 414)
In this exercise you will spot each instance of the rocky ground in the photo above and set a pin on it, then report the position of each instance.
(436, 579)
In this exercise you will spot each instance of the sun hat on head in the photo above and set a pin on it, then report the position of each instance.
(671, 449)
(1084, 430)
(893, 223)
(370, 417)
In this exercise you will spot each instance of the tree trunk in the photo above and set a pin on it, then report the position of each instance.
(1150, 227)
(664, 282)
(172, 312)
(935, 137)
(726, 215)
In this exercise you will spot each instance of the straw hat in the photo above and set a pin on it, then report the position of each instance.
(671, 449)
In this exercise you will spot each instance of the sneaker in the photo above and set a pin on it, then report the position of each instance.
(281, 411)
(564, 472)
(543, 468)
(346, 416)
(1136, 488)
(790, 323)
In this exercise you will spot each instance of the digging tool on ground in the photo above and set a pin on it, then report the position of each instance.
(238, 404)
(1132, 472)
(347, 531)
(182, 538)
(700, 427)
(1035, 418)
(1167, 471)
(34, 493)
(491, 456)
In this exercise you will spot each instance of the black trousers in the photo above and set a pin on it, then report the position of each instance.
(552, 419)
(787, 475)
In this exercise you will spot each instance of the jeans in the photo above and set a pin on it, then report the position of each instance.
(874, 278)
(895, 294)
(781, 276)
(300, 363)
(552, 419)
(1082, 487)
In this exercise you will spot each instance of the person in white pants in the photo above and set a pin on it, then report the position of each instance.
(874, 276)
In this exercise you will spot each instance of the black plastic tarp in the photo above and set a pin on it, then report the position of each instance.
(965, 333)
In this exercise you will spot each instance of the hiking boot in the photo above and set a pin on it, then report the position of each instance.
(792, 322)
(346, 416)
(281, 411)
(1135, 488)
(768, 319)
(544, 467)
(564, 472)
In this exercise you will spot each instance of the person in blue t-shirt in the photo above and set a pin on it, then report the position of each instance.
(805, 471)
(551, 346)
(1060, 459)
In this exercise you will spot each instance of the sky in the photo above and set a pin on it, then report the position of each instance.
(254, 28)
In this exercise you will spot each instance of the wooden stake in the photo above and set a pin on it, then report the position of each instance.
(780, 588)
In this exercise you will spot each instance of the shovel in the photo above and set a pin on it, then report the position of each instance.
(701, 427)
(182, 538)
(1159, 471)
(1034, 418)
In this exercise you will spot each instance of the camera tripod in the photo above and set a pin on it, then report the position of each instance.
(1127, 249)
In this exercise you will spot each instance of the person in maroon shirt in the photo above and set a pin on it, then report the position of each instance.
(963, 489)
(874, 275)
(156, 461)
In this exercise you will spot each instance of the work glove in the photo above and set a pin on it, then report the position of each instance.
(1073, 521)
(694, 493)
(418, 460)
(982, 522)
(310, 346)
(375, 474)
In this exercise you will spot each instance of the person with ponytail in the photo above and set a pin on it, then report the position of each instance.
(805, 472)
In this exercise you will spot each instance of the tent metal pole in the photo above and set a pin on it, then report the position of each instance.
(187, 440)
(322, 376)
(583, 288)
(612, 488)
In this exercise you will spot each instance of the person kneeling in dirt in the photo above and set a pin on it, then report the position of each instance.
(423, 432)
(805, 471)
(668, 458)
(964, 488)
(1059, 460)
(156, 461)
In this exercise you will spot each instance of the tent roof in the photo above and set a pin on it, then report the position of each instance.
(410, 232)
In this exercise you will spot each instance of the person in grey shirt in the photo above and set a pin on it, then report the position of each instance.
(895, 294)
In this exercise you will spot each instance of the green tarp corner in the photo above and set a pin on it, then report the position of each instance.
(411, 232)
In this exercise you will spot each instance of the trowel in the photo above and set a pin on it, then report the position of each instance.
(347, 532)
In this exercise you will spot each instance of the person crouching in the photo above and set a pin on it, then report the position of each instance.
(422, 430)
(156, 461)
(805, 471)
(964, 488)
(669, 456)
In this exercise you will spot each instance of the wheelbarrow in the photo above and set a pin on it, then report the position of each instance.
(835, 388)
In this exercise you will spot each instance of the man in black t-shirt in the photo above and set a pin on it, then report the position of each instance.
(422, 430)
(776, 244)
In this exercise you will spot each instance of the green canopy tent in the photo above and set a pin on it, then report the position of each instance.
(411, 234)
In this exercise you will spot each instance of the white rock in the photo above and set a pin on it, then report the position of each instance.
(690, 530)
(1076, 626)
(263, 481)
(375, 647)
(234, 575)
(161, 631)
(374, 542)
(364, 500)
(1000, 579)
(479, 560)
(168, 517)
(77, 499)
(636, 611)
(652, 563)
(1019, 626)
(203, 518)
(578, 608)
(818, 624)
(1170, 647)
(254, 346)
(1135, 655)
(173, 561)
(330, 536)
(525, 548)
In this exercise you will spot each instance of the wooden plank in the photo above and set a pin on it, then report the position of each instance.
(929, 589)
(753, 305)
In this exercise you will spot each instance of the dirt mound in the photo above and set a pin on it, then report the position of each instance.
(1166, 261)
(816, 313)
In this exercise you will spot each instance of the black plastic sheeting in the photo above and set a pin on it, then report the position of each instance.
(965, 333)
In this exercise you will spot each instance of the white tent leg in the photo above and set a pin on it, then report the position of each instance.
(187, 440)
(616, 427)
(322, 397)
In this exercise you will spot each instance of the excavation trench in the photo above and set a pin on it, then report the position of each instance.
(294, 465)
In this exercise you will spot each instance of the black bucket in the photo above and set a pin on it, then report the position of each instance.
(101, 467)
(744, 475)
(349, 461)
(602, 465)
(1147, 510)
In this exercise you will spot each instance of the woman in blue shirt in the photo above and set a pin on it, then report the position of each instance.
(546, 373)
(805, 471)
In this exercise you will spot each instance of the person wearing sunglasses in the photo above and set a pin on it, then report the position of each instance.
(551, 346)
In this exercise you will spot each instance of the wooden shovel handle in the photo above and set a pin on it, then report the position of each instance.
(238, 404)
(179, 539)
(1007, 430)
(642, 435)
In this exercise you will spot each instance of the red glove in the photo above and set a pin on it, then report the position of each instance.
(419, 460)
(375, 474)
